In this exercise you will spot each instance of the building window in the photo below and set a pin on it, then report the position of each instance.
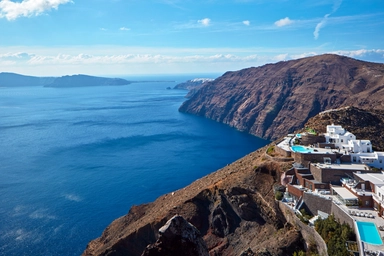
(366, 203)
(342, 140)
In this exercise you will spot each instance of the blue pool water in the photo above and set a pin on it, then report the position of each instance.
(369, 233)
(301, 149)
(74, 159)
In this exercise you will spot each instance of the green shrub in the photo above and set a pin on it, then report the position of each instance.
(279, 195)
(271, 150)
(335, 235)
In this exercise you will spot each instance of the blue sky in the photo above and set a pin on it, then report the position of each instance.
(134, 37)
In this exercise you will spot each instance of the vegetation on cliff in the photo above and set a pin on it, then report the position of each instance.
(335, 235)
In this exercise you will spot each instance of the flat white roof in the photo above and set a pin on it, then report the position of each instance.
(356, 167)
(374, 178)
(344, 193)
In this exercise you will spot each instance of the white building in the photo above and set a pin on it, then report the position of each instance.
(339, 136)
(374, 159)
(359, 150)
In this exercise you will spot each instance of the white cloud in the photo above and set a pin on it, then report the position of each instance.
(323, 22)
(205, 22)
(246, 22)
(362, 53)
(124, 29)
(27, 8)
(117, 60)
(281, 57)
(283, 22)
(320, 25)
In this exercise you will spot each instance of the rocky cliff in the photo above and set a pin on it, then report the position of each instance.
(234, 210)
(275, 99)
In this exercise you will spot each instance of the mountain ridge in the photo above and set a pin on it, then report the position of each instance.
(17, 80)
(274, 99)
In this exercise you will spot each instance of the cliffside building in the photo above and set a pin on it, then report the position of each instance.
(325, 165)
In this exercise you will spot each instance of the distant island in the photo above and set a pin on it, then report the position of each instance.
(84, 80)
(17, 80)
(193, 85)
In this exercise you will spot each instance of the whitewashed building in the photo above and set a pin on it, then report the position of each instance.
(338, 136)
(360, 151)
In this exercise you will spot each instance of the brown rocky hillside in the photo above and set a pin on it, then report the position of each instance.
(275, 99)
(233, 209)
(365, 124)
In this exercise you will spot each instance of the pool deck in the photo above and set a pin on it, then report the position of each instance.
(379, 221)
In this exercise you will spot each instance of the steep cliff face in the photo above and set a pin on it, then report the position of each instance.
(275, 99)
(233, 209)
(178, 237)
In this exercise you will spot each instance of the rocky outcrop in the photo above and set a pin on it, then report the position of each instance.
(275, 99)
(234, 210)
(178, 237)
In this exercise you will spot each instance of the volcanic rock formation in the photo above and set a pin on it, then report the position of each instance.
(275, 99)
(178, 237)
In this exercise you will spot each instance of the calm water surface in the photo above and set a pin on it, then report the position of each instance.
(72, 160)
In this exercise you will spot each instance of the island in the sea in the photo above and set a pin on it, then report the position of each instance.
(17, 80)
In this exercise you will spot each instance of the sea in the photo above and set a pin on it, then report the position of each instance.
(74, 159)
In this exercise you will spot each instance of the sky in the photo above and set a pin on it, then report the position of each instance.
(140, 37)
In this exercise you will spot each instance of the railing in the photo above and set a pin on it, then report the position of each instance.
(378, 200)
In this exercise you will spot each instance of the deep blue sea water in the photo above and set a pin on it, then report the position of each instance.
(73, 160)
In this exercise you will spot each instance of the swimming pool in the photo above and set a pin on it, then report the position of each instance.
(301, 149)
(369, 233)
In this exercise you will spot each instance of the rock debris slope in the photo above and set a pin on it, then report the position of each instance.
(275, 99)
(233, 209)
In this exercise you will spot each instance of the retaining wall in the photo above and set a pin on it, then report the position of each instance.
(309, 233)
